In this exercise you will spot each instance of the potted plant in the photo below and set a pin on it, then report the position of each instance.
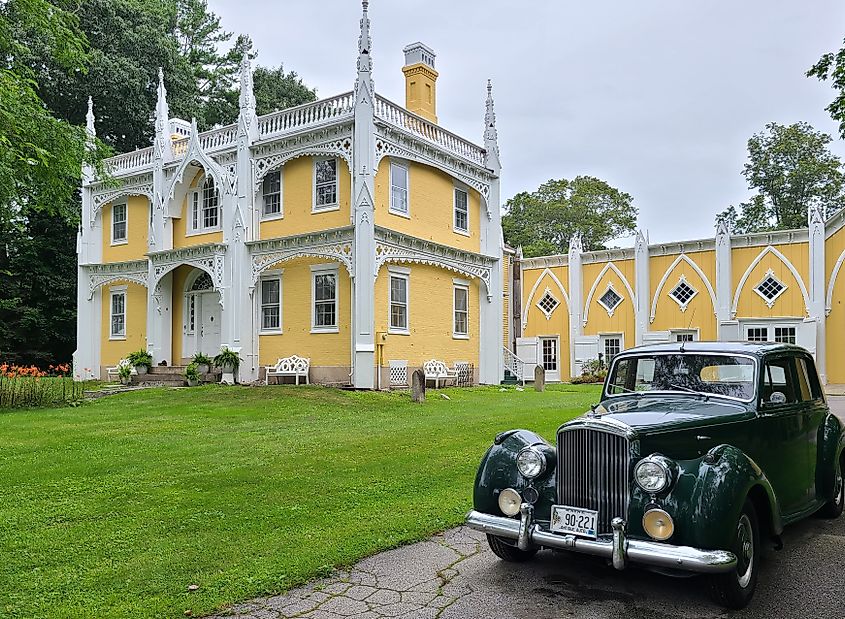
(203, 363)
(228, 360)
(192, 375)
(142, 360)
(124, 372)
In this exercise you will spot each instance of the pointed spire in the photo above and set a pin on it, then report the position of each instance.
(365, 44)
(491, 136)
(815, 214)
(247, 97)
(161, 140)
(89, 120)
(575, 244)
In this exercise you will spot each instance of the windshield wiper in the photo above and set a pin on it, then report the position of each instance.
(701, 394)
(626, 390)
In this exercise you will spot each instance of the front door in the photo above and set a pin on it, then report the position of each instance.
(209, 321)
(550, 358)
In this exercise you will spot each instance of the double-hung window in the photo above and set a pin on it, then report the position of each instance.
(460, 327)
(461, 223)
(325, 184)
(271, 303)
(205, 207)
(272, 195)
(398, 300)
(398, 189)
(118, 223)
(324, 293)
(117, 313)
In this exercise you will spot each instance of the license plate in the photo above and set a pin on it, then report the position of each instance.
(574, 520)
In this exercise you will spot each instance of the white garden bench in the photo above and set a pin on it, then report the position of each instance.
(294, 365)
(113, 373)
(438, 371)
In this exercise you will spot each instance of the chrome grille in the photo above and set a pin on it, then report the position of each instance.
(592, 473)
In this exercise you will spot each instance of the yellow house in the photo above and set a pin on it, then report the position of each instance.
(351, 231)
(778, 287)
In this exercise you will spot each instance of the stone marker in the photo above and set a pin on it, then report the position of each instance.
(418, 386)
(539, 378)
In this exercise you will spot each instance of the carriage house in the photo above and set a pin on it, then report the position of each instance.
(352, 231)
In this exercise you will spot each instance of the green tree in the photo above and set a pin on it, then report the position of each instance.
(790, 168)
(543, 221)
(831, 66)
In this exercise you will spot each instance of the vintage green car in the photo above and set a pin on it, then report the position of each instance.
(697, 454)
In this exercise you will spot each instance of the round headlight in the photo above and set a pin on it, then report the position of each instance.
(509, 502)
(658, 524)
(652, 475)
(530, 462)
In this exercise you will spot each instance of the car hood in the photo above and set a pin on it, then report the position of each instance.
(645, 414)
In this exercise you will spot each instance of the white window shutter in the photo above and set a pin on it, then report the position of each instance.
(806, 335)
(656, 337)
(586, 348)
(527, 349)
(729, 331)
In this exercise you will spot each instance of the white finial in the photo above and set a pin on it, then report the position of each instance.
(365, 43)
(89, 118)
(490, 133)
(247, 99)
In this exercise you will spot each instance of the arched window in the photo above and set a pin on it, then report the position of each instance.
(205, 206)
(203, 282)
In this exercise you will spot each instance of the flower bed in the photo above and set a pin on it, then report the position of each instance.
(30, 386)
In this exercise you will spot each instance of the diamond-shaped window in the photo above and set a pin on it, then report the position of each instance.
(770, 289)
(610, 300)
(683, 293)
(548, 303)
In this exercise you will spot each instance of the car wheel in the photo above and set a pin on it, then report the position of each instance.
(509, 553)
(833, 508)
(736, 588)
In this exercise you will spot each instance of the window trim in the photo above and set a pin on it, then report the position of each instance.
(197, 191)
(391, 209)
(325, 269)
(603, 337)
(113, 292)
(610, 310)
(770, 325)
(465, 191)
(547, 292)
(281, 214)
(328, 208)
(460, 284)
(405, 274)
(125, 239)
(671, 293)
(770, 302)
(266, 276)
(673, 333)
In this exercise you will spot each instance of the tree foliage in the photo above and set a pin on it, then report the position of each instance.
(790, 168)
(831, 66)
(543, 221)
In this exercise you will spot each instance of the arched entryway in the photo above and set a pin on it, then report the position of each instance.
(202, 315)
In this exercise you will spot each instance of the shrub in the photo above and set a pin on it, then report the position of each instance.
(140, 357)
(202, 359)
(191, 372)
(587, 379)
(227, 356)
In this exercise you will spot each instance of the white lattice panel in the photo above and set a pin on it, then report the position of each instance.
(398, 373)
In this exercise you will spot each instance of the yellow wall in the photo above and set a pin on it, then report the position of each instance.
(137, 227)
(537, 323)
(700, 313)
(835, 332)
(180, 225)
(324, 349)
(622, 320)
(791, 302)
(298, 201)
(430, 323)
(430, 205)
(112, 351)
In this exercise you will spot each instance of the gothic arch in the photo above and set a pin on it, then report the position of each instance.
(770, 250)
(529, 299)
(608, 267)
(664, 279)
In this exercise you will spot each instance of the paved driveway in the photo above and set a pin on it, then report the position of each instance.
(455, 576)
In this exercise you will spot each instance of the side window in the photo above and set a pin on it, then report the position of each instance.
(779, 381)
(808, 379)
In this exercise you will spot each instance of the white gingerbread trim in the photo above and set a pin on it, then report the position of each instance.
(140, 185)
(757, 261)
(99, 275)
(665, 278)
(534, 288)
(334, 245)
(608, 267)
(833, 276)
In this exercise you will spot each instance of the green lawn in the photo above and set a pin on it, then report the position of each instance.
(113, 508)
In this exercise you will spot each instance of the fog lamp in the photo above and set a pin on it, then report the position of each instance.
(658, 524)
(509, 502)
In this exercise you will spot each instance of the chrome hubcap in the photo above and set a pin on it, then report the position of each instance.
(745, 550)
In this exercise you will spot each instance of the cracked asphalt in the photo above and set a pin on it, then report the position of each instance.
(454, 575)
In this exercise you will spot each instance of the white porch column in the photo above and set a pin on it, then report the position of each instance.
(491, 330)
(159, 318)
(818, 312)
(363, 213)
(642, 287)
(727, 327)
(89, 240)
(576, 297)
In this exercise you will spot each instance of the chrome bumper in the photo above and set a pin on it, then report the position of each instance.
(619, 550)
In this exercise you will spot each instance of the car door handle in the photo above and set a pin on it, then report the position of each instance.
(702, 437)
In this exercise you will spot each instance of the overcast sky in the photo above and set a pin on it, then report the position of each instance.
(657, 97)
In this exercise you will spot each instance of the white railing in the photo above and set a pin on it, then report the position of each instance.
(219, 138)
(306, 115)
(129, 161)
(514, 365)
(400, 117)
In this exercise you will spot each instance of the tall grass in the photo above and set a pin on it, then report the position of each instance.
(28, 386)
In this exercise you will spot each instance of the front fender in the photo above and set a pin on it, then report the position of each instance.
(498, 471)
(707, 498)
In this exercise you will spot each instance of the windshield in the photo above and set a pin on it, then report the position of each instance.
(707, 374)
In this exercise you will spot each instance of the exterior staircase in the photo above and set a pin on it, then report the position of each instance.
(171, 376)
(514, 368)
